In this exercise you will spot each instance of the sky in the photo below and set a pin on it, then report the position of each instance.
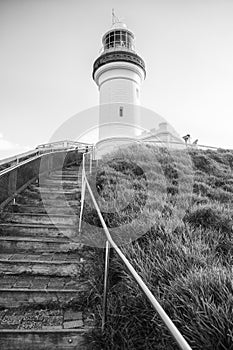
(48, 47)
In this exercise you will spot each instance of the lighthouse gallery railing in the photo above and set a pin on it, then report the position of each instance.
(111, 244)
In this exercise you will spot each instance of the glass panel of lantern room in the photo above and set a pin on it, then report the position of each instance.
(129, 41)
(111, 39)
(123, 39)
(107, 42)
(117, 38)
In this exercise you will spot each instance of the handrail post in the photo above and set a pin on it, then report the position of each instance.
(83, 189)
(12, 184)
(105, 294)
(90, 162)
(82, 205)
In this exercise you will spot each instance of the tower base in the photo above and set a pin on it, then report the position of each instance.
(112, 144)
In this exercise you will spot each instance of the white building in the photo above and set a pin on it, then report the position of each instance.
(118, 73)
(164, 135)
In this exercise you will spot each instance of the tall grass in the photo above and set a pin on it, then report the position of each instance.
(184, 257)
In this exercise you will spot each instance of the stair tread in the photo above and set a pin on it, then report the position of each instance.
(39, 239)
(57, 262)
(49, 257)
(47, 190)
(44, 319)
(4, 224)
(27, 258)
(18, 283)
(69, 330)
(46, 290)
(41, 214)
(71, 340)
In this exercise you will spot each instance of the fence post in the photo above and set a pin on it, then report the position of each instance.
(82, 198)
(12, 184)
(90, 162)
(105, 295)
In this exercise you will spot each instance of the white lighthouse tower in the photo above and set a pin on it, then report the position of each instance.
(118, 73)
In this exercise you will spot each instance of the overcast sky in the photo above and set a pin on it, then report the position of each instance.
(47, 49)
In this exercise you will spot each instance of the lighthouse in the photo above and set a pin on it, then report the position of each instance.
(118, 73)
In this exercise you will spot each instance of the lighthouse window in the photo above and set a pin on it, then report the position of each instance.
(121, 111)
(107, 43)
(111, 41)
(118, 37)
(118, 34)
(123, 39)
(129, 41)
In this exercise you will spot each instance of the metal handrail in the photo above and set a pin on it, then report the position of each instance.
(39, 155)
(19, 165)
(9, 185)
(110, 243)
(15, 161)
(63, 143)
(38, 150)
(17, 157)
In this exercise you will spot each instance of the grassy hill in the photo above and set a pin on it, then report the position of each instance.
(184, 256)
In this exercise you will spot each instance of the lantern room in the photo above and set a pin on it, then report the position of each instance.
(118, 38)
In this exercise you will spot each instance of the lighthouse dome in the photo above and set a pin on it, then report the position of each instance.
(119, 25)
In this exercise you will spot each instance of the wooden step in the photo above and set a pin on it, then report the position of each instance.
(58, 184)
(18, 264)
(67, 179)
(70, 172)
(22, 297)
(61, 210)
(41, 317)
(39, 230)
(59, 177)
(42, 283)
(72, 339)
(9, 244)
(39, 218)
(45, 193)
(35, 199)
(55, 188)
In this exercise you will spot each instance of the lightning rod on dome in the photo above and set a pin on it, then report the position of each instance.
(115, 19)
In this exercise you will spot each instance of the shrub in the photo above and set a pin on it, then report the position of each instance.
(209, 216)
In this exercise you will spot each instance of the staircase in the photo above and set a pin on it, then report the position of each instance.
(44, 286)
